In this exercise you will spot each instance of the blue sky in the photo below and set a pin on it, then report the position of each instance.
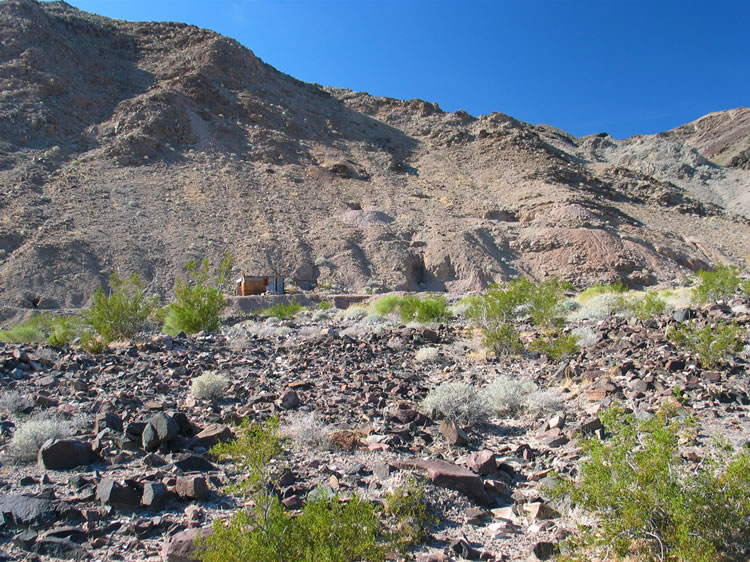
(586, 66)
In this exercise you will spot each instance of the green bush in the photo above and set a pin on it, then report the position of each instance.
(644, 308)
(711, 344)
(325, 305)
(720, 283)
(200, 301)
(414, 309)
(556, 345)
(55, 330)
(283, 310)
(407, 506)
(500, 308)
(123, 312)
(650, 503)
(424, 311)
(327, 529)
(387, 305)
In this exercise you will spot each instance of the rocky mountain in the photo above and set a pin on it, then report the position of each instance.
(136, 146)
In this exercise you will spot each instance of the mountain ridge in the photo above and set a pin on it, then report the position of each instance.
(136, 146)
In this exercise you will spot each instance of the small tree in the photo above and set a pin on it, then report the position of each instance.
(200, 301)
(720, 283)
(123, 312)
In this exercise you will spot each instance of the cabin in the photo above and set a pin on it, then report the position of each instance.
(259, 285)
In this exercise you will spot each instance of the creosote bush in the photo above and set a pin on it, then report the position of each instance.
(721, 283)
(54, 330)
(408, 506)
(645, 308)
(122, 312)
(457, 401)
(556, 345)
(199, 300)
(712, 344)
(414, 309)
(328, 528)
(651, 503)
(500, 309)
(209, 385)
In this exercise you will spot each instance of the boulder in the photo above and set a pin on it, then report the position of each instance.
(482, 462)
(161, 428)
(453, 433)
(181, 546)
(26, 511)
(191, 487)
(65, 454)
(211, 435)
(110, 492)
(451, 476)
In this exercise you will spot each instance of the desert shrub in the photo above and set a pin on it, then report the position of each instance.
(389, 304)
(13, 402)
(500, 308)
(456, 401)
(31, 434)
(712, 344)
(585, 336)
(325, 305)
(650, 503)
(22, 334)
(55, 330)
(123, 312)
(746, 288)
(544, 402)
(721, 283)
(598, 308)
(353, 313)
(555, 345)
(320, 315)
(209, 385)
(307, 430)
(427, 355)
(373, 319)
(507, 396)
(424, 311)
(596, 290)
(285, 311)
(327, 529)
(199, 300)
(92, 343)
(647, 307)
(407, 506)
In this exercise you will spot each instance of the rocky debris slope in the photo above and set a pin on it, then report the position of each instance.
(133, 480)
(136, 146)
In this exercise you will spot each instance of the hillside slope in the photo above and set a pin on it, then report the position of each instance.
(136, 146)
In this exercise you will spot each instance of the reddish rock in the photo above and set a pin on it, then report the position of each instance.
(213, 434)
(482, 462)
(192, 487)
(181, 547)
(451, 476)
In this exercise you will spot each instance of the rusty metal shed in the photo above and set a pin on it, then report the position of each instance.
(258, 285)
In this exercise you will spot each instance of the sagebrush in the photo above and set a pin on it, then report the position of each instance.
(457, 401)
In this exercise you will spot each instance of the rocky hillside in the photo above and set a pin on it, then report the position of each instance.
(136, 146)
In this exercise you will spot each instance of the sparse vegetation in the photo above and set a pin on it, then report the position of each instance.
(498, 311)
(54, 330)
(307, 430)
(712, 344)
(427, 355)
(123, 312)
(556, 345)
(31, 434)
(326, 529)
(721, 283)
(413, 309)
(200, 301)
(13, 402)
(284, 311)
(596, 290)
(507, 396)
(644, 308)
(408, 506)
(456, 401)
(209, 385)
(325, 305)
(651, 504)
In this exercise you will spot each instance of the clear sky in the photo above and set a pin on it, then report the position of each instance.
(586, 66)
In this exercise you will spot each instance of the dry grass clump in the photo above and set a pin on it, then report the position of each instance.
(427, 355)
(456, 401)
(13, 402)
(509, 397)
(307, 430)
(31, 434)
(208, 386)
